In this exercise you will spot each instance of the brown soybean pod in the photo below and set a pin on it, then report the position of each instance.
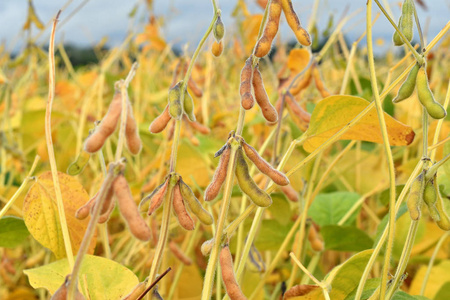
(198, 127)
(217, 48)
(262, 165)
(228, 276)
(245, 88)
(107, 126)
(297, 109)
(131, 132)
(303, 83)
(264, 44)
(196, 207)
(220, 174)
(319, 83)
(247, 184)
(179, 254)
(267, 109)
(106, 202)
(194, 88)
(290, 193)
(299, 290)
(156, 197)
(293, 21)
(105, 216)
(129, 210)
(179, 208)
(83, 211)
(444, 222)
(161, 121)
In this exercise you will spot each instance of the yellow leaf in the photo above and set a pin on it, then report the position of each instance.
(334, 112)
(439, 275)
(298, 60)
(41, 217)
(251, 28)
(192, 165)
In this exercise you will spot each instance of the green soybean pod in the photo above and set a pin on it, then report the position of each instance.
(444, 222)
(426, 97)
(247, 184)
(78, 165)
(406, 23)
(430, 199)
(196, 207)
(415, 197)
(218, 29)
(396, 37)
(188, 105)
(407, 87)
(175, 108)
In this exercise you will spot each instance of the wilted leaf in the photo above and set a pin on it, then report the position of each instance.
(41, 213)
(298, 59)
(345, 238)
(333, 113)
(12, 231)
(105, 278)
(328, 209)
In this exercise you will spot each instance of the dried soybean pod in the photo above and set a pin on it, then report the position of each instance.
(407, 87)
(426, 97)
(303, 83)
(161, 121)
(301, 34)
(262, 165)
(175, 108)
(217, 48)
(197, 209)
(245, 88)
(156, 197)
(316, 243)
(267, 109)
(220, 174)
(107, 126)
(194, 88)
(218, 29)
(228, 276)
(206, 247)
(396, 37)
(444, 222)
(105, 216)
(406, 22)
(246, 183)
(106, 202)
(319, 83)
(137, 291)
(290, 193)
(220, 151)
(179, 208)
(297, 109)
(264, 44)
(299, 290)
(129, 210)
(131, 132)
(199, 127)
(415, 197)
(179, 254)
(430, 199)
(78, 165)
(189, 106)
(61, 293)
(83, 211)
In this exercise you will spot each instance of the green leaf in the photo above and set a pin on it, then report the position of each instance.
(345, 277)
(369, 288)
(12, 231)
(444, 292)
(105, 279)
(345, 238)
(328, 209)
(271, 235)
(384, 195)
(280, 208)
(400, 295)
(402, 210)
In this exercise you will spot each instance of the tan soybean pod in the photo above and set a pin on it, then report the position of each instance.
(105, 215)
(61, 293)
(415, 197)
(314, 240)
(246, 183)
(179, 208)
(84, 210)
(262, 165)
(175, 109)
(217, 48)
(264, 44)
(136, 292)
(267, 109)
(245, 88)
(188, 104)
(444, 222)
(301, 34)
(297, 109)
(179, 254)
(207, 246)
(220, 174)
(228, 276)
(156, 197)
(434, 109)
(161, 121)
(196, 207)
(194, 88)
(290, 193)
(131, 132)
(129, 210)
(199, 127)
(303, 83)
(320, 85)
(299, 290)
(107, 126)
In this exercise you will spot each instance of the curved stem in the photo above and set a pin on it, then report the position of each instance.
(387, 149)
(51, 152)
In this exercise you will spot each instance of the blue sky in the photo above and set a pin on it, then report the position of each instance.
(185, 21)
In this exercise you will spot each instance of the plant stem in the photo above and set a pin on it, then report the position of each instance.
(21, 188)
(387, 148)
(51, 153)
